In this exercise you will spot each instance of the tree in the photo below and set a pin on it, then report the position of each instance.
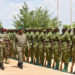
(38, 18)
(1, 25)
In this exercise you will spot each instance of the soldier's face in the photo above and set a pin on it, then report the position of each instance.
(55, 30)
(69, 31)
(64, 30)
(20, 31)
(74, 30)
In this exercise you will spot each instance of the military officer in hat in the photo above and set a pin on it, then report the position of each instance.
(21, 41)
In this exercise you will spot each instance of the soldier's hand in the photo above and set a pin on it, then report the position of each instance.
(68, 51)
(28, 49)
(59, 50)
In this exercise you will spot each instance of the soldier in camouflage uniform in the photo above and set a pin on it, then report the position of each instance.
(70, 34)
(73, 47)
(57, 47)
(26, 51)
(31, 43)
(21, 42)
(1, 52)
(49, 46)
(37, 50)
(42, 46)
(65, 48)
(13, 51)
(6, 47)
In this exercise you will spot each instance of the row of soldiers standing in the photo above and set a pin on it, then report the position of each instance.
(48, 44)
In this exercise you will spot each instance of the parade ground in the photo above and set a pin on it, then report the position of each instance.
(29, 69)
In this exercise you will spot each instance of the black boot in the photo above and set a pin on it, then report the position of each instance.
(18, 64)
(1, 66)
(21, 65)
(73, 72)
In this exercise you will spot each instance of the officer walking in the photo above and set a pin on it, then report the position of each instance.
(65, 48)
(21, 42)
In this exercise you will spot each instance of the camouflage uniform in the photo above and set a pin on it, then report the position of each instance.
(6, 47)
(42, 48)
(1, 52)
(31, 43)
(70, 34)
(37, 51)
(13, 51)
(65, 49)
(73, 47)
(48, 47)
(57, 46)
(26, 51)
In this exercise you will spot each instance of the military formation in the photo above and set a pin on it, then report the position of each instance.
(44, 47)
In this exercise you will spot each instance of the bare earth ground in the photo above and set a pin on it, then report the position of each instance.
(29, 69)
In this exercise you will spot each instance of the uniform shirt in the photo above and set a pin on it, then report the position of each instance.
(21, 40)
(49, 37)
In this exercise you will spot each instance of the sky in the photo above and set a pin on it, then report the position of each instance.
(9, 8)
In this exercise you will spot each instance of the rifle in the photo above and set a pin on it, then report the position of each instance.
(52, 49)
(43, 50)
(59, 50)
(72, 66)
(71, 70)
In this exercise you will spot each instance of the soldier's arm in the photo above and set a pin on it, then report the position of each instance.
(27, 43)
(59, 42)
(52, 38)
(68, 43)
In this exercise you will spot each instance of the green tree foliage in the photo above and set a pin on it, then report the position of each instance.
(38, 18)
(1, 25)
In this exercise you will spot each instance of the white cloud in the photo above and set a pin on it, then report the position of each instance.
(8, 9)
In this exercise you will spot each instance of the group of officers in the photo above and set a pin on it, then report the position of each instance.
(44, 47)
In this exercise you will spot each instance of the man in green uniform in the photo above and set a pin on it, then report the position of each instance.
(26, 51)
(21, 42)
(65, 48)
(31, 43)
(73, 47)
(13, 52)
(70, 34)
(1, 51)
(42, 46)
(37, 52)
(49, 46)
(57, 47)
(6, 47)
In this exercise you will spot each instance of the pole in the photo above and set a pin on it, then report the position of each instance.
(58, 13)
(71, 13)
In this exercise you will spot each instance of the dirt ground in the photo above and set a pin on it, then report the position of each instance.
(29, 69)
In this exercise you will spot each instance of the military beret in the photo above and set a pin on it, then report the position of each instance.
(73, 26)
(65, 26)
(19, 28)
(4, 29)
(69, 27)
(55, 27)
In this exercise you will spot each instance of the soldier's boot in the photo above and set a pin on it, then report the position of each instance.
(57, 66)
(7, 61)
(65, 68)
(70, 59)
(37, 61)
(31, 61)
(41, 64)
(20, 65)
(73, 72)
(1, 66)
(49, 64)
